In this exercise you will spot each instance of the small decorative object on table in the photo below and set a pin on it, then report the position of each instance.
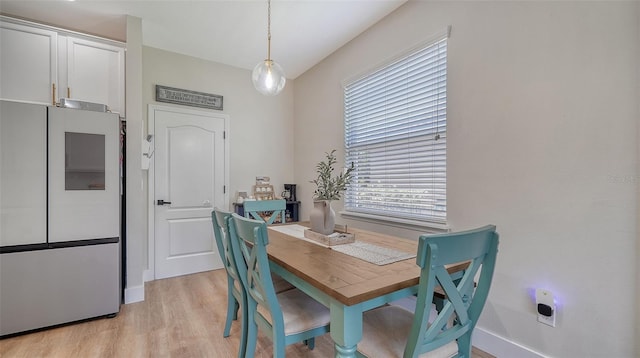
(340, 236)
(328, 188)
(291, 188)
(242, 196)
(263, 190)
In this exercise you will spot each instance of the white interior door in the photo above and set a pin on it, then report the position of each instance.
(189, 181)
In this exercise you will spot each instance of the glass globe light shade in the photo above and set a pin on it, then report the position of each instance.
(268, 78)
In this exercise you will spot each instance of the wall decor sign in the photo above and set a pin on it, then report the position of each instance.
(188, 98)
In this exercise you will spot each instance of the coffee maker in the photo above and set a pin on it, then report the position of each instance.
(291, 188)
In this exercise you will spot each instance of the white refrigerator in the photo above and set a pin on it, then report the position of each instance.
(60, 253)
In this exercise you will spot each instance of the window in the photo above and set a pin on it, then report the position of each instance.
(396, 136)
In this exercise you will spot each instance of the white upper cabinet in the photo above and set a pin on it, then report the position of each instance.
(41, 64)
(95, 73)
(28, 63)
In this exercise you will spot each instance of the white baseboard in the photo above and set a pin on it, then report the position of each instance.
(501, 347)
(148, 275)
(134, 294)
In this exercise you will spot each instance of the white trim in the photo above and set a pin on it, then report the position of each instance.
(444, 33)
(396, 222)
(150, 272)
(147, 275)
(63, 31)
(134, 294)
(501, 347)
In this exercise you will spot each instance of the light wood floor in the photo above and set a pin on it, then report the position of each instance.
(180, 317)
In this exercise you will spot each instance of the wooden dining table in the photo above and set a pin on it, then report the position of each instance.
(347, 285)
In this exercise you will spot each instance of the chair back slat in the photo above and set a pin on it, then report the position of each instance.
(236, 296)
(221, 235)
(462, 303)
(249, 242)
(266, 210)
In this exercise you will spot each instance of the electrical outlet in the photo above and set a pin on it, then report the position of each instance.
(546, 307)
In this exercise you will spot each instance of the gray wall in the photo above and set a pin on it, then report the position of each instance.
(542, 141)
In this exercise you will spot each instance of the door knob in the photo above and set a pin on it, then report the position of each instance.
(162, 202)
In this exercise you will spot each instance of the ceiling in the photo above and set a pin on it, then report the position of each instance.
(232, 32)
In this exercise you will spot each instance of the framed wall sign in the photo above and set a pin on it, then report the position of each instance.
(188, 98)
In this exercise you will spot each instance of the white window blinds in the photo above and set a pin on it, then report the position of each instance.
(396, 137)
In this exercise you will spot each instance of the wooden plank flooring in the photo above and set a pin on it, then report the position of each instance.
(180, 317)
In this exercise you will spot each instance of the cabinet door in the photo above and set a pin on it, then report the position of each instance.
(23, 173)
(28, 63)
(96, 73)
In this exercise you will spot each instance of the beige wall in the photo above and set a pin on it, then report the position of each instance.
(542, 142)
(136, 233)
(638, 194)
(261, 129)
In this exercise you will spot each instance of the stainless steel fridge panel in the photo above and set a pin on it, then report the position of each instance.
(23, 173)
(83, 175)
(54, 286)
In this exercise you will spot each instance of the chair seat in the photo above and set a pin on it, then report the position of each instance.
(300, 312)
(385, 331)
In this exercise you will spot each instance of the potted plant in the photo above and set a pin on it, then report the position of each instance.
(328, 188)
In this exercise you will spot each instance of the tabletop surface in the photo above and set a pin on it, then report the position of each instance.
(347, 279)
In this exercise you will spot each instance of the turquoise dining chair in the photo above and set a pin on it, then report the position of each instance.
(393, 331)
(268, 210)
(236, 295)
(287, 317)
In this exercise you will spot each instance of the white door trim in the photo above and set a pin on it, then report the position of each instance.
(149, 273)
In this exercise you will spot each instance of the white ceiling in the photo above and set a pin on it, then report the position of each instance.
(303, 32)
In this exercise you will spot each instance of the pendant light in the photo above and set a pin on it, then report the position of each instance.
(268, 77)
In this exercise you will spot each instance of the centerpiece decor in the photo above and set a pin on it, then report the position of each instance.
(328, 188)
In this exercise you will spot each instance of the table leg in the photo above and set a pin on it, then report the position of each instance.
(346, 328)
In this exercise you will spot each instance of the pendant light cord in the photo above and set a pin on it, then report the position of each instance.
(269, 30)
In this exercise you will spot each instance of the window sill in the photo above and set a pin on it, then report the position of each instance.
(397, 222)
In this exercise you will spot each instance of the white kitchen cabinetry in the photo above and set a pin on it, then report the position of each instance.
(95, 73)
(42, 64)
(28, 63)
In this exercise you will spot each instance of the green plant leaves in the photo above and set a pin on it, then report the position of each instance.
(329, 187)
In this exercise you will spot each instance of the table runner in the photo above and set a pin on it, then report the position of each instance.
(374, 254)
(296, 231)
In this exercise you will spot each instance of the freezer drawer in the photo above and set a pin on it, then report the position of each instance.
(53, 286)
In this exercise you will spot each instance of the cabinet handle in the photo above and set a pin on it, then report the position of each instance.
(68, 92)
(53, 94)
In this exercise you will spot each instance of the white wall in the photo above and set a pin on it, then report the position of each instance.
(135, 204)
(542, 141)
(637, 180)
(261, 133)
